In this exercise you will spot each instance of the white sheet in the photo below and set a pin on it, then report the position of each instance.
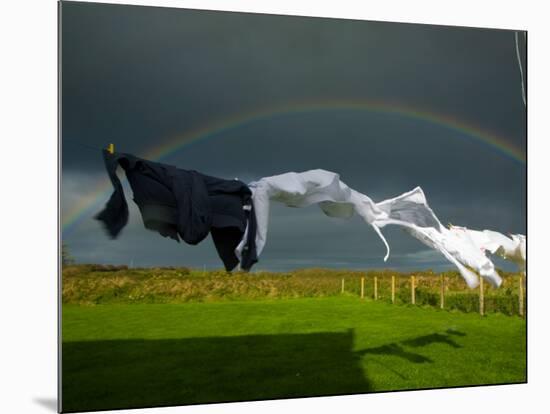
(409, 211)
(511, 248)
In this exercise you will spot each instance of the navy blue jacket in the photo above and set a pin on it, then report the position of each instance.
(183, 204)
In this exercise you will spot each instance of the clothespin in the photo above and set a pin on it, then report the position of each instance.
(111, 148)
(450, 225)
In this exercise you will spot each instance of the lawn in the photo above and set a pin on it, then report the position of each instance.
(123, 356)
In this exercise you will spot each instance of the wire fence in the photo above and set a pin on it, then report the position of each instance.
(444, 292)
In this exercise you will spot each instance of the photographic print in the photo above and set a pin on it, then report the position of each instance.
(259, 207)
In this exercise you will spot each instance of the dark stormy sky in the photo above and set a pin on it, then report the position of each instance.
(139, 76)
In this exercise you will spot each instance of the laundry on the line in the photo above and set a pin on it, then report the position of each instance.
(186, 204)
(409, 211)
(513, 248)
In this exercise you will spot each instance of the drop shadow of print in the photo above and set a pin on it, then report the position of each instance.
(114, 374)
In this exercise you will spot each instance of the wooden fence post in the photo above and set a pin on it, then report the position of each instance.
(413, 293)
(343, 285)
(442, 293)
(362, 288)
(481, 297)
(521, 309)
(375, 288)
(393, 289)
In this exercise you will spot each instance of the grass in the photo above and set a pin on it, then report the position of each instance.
(137, 355)
(100, 284)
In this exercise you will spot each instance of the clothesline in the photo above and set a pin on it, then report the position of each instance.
(188, 205)
(85, 146)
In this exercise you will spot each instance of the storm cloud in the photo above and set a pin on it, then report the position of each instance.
(140, 76)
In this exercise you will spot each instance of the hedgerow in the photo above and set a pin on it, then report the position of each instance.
(92, 284)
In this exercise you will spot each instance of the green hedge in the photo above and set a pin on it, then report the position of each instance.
(101, 284)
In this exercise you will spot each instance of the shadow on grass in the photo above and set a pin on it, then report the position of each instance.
(146, 373)
(115, 374)
(431, 339)
(398, 349)
(455, 332)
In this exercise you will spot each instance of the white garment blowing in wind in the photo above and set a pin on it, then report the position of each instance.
(409, 210)
(511, 248)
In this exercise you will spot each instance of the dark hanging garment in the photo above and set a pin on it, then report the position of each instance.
(115, 214)
(249, 254)
(184, 204)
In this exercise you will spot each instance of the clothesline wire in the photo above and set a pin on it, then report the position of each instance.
(85, 146)
(520, 68)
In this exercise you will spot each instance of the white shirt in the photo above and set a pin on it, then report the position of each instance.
(409, 210)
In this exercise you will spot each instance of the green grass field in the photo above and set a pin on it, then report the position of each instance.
(135, 355)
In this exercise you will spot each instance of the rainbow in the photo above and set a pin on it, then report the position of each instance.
(90, 204)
